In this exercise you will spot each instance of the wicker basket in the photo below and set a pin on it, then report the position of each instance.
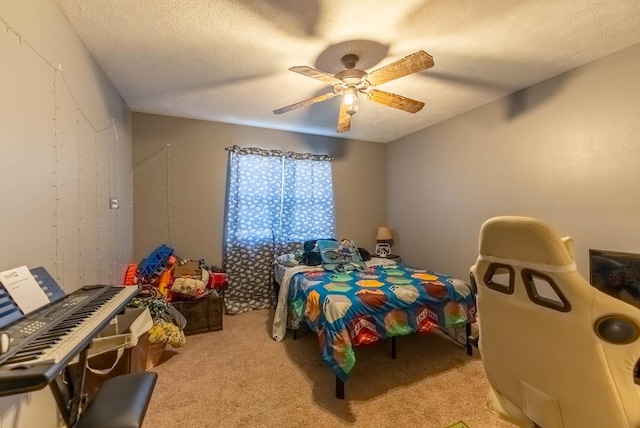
(155, 353)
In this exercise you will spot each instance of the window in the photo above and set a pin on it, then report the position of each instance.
(275, 201)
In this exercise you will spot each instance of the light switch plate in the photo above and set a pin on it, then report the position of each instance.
(114, 204)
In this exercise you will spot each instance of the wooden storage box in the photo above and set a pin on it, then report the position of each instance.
(202, 314)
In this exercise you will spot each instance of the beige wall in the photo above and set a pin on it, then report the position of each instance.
(66, 148)
(65, 135)
(566, 150)
(180, 168)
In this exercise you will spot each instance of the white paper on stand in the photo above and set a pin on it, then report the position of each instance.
(23, 289)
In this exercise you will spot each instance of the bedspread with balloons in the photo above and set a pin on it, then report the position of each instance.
(362, 307)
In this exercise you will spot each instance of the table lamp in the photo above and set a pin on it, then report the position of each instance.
(384, 236)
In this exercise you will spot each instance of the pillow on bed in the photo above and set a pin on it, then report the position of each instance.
(310, 245)
(364, 253)
(340, 256)
(311, 258)
(311, 255)
(288, 260)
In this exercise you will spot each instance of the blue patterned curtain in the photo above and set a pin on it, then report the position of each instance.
(275, 201)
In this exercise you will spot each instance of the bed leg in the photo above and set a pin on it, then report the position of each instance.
(295, 334)
(393, 347)
(339, 388)
(468, 335)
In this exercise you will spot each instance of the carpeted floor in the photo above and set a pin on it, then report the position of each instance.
(240, 377)
(458, 424)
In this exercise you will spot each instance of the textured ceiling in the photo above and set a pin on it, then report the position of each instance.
(228, 60)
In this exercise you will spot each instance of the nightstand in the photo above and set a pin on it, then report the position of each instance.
(394, 257)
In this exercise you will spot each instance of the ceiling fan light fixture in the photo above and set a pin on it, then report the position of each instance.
(350, 60)
(352, 108)
(350, 95)
(351, 80)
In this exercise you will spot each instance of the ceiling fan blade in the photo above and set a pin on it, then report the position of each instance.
(344, 119)
(304, 103)
(316, 74)
(410, 64)
(395, 101)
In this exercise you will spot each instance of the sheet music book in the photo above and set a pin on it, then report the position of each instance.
(23, 289)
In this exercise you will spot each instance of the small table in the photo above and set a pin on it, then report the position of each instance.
(394, 257)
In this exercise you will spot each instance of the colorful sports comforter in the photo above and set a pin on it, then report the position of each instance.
(362, 307)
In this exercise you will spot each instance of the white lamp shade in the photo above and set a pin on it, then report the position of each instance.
(384, 234)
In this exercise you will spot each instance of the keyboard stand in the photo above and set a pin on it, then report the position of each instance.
(70, 399)
(121, 401)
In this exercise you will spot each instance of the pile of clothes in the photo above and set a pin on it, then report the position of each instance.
(166, 275)
(164, 278)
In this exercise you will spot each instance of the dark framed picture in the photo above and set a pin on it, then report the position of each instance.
(616, 273)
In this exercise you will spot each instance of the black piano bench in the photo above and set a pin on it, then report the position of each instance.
(121, 402)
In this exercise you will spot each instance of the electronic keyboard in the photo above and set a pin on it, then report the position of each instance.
(36, 347)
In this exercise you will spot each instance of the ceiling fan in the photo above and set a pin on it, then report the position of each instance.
(351, 80)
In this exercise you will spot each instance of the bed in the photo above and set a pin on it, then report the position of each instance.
(361, 307)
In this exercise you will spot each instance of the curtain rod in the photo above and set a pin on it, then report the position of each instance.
(276, 153)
